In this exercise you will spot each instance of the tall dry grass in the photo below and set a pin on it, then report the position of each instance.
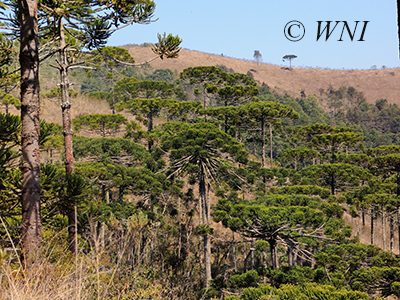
(90, 274)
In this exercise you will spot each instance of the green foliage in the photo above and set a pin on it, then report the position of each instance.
(337, 177)
(167, 46)
(244, 280)
(114, 53)
(104, 124)
(310, 190)
(304, 292)
(8, 99)
(56, 93)
(116, 148)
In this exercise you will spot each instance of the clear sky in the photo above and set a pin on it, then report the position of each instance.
(236, 28)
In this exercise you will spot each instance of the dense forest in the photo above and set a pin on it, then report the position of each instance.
(204, 184)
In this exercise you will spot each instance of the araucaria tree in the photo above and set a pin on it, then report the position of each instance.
(267, 113)
(74, 25)
(31, 228)
(289, 58)
(203, 152)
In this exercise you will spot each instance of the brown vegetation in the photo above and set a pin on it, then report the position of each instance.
(375, 84)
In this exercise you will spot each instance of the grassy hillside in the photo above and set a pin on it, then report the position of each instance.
(375, 84)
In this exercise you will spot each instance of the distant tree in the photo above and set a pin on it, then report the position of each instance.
(209, 78)
(104, 124)
(267, 113)
(8, 99)
(111, 56)
(257, 57)
(289, 57)
(336, 176)
(129, 88)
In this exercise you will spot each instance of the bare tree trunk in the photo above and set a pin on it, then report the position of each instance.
(391, 226)
(252, 254)
(274, 253)
(270, 143)
(383, 232)
(149, 129)
(372, 227)
(234, 252)
(67, 131)
(398, 225)
(290, 256)
(31, 226)
(263, 142)
(254, 144)
(363, 216)
(358, 226)
(205, 220)
(295, 255)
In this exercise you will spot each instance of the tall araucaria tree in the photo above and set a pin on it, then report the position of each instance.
(202, 151)
(31, 229)
(75, 25)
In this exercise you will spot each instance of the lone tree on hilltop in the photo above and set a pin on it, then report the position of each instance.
(289, 57)
(257, 57)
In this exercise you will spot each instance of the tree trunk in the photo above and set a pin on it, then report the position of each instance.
(252, 254)
(383, 232)
(205, 220)
(290, 256)
(398, 225)
(358, 226)
(121, 190)
(270, 143)
(372, 227)
(207, 258)
(398, 184)
(332, 184)
(112, 92)
(31, 226)
(149, 129)
(255, 144)
(363, 216)
(67, 131)
(391, 226)
(234, 252)
(263, 142)
(274, 253)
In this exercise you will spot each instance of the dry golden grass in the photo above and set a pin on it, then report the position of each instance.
(375, 84)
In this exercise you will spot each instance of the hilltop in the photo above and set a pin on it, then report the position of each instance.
(375, 84)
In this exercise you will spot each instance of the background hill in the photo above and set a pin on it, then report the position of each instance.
(375, 84)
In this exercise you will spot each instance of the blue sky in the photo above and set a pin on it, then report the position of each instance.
(236, 28)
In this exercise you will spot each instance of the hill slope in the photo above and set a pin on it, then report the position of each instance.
(375, 84)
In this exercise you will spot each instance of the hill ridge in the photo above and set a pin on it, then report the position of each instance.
(375, 84)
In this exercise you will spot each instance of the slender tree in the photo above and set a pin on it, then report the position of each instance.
(31, 229)
(257, 57)
(289, 57)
